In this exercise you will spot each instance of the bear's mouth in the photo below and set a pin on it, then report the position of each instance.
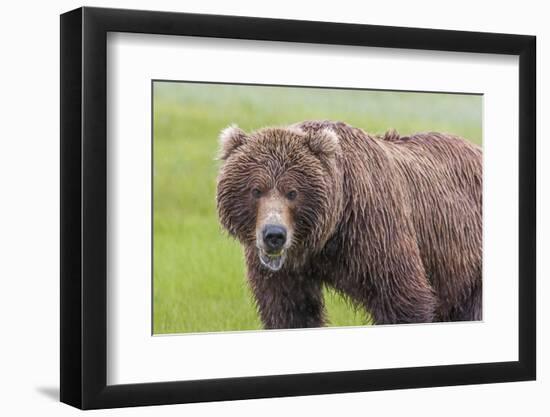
(272, 260)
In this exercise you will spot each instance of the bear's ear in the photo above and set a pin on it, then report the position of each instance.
(230, 139)
(324, 142)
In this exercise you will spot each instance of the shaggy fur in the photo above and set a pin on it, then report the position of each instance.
(393, 223)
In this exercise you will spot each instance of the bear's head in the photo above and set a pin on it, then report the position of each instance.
(279, 191)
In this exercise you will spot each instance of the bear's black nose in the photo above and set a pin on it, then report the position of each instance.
(274, 236)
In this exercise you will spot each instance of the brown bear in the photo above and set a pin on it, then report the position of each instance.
(393, 223)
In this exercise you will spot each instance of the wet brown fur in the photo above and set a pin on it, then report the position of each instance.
(391, 222)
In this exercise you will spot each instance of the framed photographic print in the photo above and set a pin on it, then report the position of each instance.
(256, 207)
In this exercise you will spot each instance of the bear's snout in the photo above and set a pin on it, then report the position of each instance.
(274, 237)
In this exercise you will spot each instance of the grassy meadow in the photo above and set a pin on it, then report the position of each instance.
(199, 280)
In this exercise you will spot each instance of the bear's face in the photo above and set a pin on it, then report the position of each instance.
(279, 191)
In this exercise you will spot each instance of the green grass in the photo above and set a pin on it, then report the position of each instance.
(199, 279)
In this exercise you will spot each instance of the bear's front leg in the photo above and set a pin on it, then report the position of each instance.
(402, 294)
(401, 307)
(286, 300)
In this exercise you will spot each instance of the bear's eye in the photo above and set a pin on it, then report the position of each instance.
(256, 192)
(291, 195)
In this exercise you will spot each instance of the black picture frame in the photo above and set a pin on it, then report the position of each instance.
(84, 207)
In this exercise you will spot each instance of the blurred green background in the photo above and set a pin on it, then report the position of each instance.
(199, 279)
